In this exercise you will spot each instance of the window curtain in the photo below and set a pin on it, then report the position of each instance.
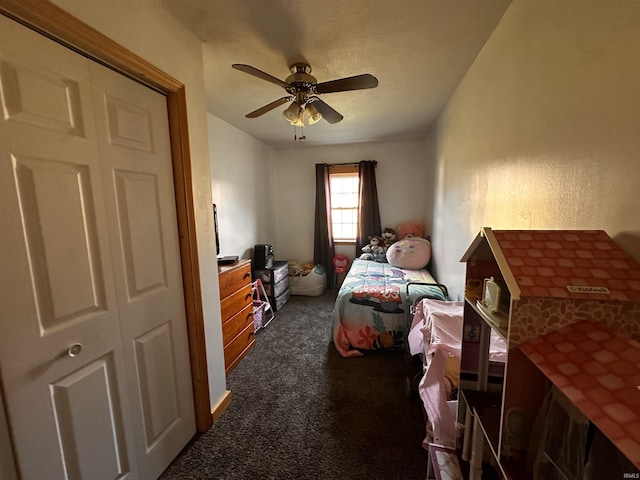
(368, 210)
(323, 247)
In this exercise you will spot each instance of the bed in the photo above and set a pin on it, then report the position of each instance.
(372, 308)
(436, 335)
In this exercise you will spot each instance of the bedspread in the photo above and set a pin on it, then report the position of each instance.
(372, 307)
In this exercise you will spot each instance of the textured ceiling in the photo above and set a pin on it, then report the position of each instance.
(418, 49)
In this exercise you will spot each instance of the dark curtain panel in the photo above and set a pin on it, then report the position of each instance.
(323, 248)
(368, 211)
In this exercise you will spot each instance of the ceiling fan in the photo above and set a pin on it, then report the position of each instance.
(303, 90)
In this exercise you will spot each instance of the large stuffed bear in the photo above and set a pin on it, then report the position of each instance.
(409, 229)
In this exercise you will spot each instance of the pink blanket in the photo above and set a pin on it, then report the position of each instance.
(437, 331)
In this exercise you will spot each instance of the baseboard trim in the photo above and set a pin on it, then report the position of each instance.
(216, 412)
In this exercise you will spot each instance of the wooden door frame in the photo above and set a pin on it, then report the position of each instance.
(50, 20)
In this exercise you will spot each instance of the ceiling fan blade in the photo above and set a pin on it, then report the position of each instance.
(328, 113)
(259, 73)
(359, 82)
(269, 107)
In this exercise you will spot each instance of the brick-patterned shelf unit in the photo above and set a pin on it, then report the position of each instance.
(563, 285)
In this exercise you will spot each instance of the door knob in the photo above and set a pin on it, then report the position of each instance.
(74, 350)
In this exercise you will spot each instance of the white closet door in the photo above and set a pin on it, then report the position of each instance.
(60, 342)
(138, 183)
(95, 375)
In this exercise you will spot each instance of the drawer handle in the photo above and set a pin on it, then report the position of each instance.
(247, 274)
(248, 295)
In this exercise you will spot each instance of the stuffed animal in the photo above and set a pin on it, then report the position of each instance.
(388, 237)
(409, 229)
(412, 253)
(373, 249)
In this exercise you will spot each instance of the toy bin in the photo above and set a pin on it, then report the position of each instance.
(312, 284)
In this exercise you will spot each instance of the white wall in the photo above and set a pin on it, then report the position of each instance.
(241, 186)
(146, 29)
(543, 132)
(403, 178)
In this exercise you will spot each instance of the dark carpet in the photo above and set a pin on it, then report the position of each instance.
(301, 411)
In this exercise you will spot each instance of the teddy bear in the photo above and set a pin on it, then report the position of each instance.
(409, 229)
(388, 237)
(373, 249)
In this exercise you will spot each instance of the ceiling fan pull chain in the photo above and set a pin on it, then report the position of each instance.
(298, 137)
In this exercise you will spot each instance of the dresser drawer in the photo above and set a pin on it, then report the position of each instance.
(232, 280)
(232, 304)
(236, 324)
(238, 348)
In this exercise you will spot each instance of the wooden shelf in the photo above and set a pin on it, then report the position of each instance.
(515, 470)
(487, 405)
(491, 320)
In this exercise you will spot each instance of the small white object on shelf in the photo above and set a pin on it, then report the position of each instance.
(494, 317)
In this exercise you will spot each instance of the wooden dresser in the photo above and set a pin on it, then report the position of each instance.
(236, 304)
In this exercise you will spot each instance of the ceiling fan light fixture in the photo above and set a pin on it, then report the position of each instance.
(292, 112)
(302, 89)
(313, 115)
(299, 122)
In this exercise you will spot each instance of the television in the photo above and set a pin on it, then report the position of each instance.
(215, 228)
(222, 260)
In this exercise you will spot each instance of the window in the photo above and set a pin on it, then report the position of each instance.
(344, 202)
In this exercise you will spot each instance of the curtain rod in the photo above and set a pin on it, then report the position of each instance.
(352, 164)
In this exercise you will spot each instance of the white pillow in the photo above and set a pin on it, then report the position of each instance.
(412, 253)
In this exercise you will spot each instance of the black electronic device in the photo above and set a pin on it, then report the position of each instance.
(227, 260)
(222, 259)
(263, 256)
(215, 228)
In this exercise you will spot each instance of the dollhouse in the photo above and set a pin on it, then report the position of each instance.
(569, 312)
